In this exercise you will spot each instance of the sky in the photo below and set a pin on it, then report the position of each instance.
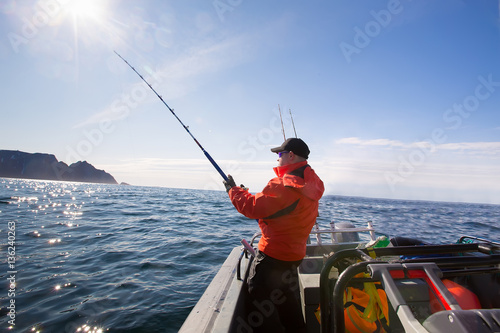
(396, 99)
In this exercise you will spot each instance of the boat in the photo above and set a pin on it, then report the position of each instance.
(418, 287)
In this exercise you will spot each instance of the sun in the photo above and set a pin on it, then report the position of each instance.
(86, 9)
(89, 18)
(89, 22)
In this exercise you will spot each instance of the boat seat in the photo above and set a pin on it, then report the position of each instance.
(309, 295)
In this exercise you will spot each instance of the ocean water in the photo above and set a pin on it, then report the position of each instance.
(110, 258)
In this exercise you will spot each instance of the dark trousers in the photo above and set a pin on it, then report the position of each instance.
(274, 292)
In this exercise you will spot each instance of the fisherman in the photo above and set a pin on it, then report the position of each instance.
(286, 210)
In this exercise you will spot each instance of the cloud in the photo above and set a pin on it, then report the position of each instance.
(177, 78)
(460, 171)
(487, 148)
(374, 142)
(434, 180)
(182, 72)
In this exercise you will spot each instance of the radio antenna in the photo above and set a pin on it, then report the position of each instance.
(282, 127)
(291, 117)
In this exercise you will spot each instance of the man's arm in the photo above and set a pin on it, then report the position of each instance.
(273, 198)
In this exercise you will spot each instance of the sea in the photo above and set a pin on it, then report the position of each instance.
(80, 257)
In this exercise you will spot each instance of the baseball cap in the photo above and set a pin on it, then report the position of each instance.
(296, 145)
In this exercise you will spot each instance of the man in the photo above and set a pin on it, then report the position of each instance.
(286, 210)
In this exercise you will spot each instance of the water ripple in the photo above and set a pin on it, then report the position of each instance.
(118, 258)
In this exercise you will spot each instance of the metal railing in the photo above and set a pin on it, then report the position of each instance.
(343, 229)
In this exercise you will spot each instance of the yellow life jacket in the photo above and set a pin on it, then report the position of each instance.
(366, 310)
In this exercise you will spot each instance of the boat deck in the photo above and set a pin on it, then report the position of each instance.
(224, 305)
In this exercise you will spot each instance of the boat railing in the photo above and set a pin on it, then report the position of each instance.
(342, 232)
(470, 239)
(339, 233)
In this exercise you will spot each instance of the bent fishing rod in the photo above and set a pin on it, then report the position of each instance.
(207, 155)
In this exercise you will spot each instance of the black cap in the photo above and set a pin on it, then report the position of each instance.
(297, 146)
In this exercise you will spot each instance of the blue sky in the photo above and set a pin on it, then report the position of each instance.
(396, 99)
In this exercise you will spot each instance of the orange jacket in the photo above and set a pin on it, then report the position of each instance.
(286, 209)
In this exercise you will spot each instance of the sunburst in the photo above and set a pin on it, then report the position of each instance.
(86, 9)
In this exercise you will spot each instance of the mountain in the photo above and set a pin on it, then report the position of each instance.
(18, 164)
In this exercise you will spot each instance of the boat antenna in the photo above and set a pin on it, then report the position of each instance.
(282, 127)
(291, 117)
(185, 127)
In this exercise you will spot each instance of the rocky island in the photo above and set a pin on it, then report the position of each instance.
(18, 164)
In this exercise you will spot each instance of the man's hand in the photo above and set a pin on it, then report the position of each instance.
(229, 183)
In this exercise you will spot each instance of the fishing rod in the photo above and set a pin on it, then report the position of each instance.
(207, 155)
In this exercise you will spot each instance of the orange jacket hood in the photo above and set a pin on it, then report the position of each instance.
(304, 180)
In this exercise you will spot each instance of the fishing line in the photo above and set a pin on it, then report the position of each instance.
(207, 155)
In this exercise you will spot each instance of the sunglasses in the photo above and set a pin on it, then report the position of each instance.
(281, 153)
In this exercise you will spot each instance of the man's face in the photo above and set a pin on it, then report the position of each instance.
(285, 158)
